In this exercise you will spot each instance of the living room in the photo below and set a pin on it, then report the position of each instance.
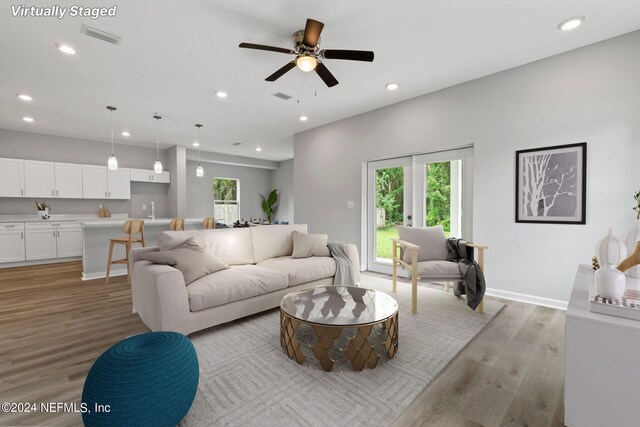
(352, 147)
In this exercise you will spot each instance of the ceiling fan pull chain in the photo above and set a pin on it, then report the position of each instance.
(298, 90)
(315, 85)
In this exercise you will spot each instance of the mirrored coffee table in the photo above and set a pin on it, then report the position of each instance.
(344, 321)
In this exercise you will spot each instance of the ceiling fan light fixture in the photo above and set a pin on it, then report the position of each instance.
(306, 63)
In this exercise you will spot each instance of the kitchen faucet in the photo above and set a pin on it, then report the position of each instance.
(153, 212)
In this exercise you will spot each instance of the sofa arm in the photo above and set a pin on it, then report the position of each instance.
(160, 296)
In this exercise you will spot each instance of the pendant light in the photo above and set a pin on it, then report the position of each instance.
(157, 166)
(199, 169)
(113, 162)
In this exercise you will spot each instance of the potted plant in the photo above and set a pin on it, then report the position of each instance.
(269, 204)
(43, 209)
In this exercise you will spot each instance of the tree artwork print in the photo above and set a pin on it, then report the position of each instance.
(551, 184)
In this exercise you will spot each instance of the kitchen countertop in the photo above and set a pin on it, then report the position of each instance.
(114, 222)
(62, 217)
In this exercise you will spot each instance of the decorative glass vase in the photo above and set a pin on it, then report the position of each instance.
(631, 239)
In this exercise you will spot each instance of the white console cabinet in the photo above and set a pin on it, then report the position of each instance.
(602, 355)
(12, 242)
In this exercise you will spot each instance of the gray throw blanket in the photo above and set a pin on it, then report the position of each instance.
(474, 284)
(344, 269)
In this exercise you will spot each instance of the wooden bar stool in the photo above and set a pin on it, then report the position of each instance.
(177, 224)
(209, 223)
(134, 229)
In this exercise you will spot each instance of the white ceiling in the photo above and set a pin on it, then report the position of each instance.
(175, 54)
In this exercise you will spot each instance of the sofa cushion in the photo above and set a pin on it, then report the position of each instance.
(302, 270)
(190, 258)
(439, 269)
(308, 245)
(432, 242)
(232, 245)
(234, 284)
(272, 241)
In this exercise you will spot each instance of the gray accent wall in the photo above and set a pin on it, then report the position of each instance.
(590, 94)
(253, 181)
(34, 146)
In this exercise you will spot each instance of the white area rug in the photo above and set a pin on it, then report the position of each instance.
(247, 380)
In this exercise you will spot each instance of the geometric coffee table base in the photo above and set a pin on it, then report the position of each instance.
(326, 340)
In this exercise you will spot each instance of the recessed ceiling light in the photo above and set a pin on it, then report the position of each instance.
(196, 144)
(303, 118)
(571, 23)
(391, 86)
(27, 119)
(221, 94)
(65, 48)
(25, 97)
(258, 149)
(125, 133)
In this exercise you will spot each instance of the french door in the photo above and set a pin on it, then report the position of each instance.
(417, 191)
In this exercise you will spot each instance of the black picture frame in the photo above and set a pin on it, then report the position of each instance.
(546, 176)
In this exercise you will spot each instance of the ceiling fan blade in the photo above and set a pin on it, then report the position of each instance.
(312, 32)
(275, 76)
(351, 55)
(265, 47)
(326, 75)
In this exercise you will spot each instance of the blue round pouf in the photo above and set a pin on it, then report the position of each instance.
(149, 379)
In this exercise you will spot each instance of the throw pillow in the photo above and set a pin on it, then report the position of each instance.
(308, 245)
(190, 258)
(432, 242)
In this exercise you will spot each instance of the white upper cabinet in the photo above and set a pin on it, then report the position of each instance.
(119, 182)
(39, 179)
(68, 180)
(144, 175)
(11, 178)
(94, 182)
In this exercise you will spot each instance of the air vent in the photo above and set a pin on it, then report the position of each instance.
(100, 35)
(236, 143)
(282, 96)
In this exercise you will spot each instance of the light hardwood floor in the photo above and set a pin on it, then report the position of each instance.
(53, 326)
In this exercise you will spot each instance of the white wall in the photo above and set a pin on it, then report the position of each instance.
(282, 179)
(253, 181)
(590, 94)
(34, 146)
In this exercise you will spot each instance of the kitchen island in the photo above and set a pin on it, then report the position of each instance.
(95, 243)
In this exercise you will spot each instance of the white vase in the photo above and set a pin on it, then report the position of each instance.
(610, 282)
(610, 250)
(631, 239)
(44, 214)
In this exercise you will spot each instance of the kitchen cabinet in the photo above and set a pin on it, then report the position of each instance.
(11, 178)
(98, 182)
(52, 240)
(39, 179)
(68, 180)
(12, 242)
(119, 182)
(144, 175)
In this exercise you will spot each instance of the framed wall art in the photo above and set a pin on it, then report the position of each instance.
(551, 184)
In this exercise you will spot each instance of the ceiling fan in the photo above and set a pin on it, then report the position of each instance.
(308, 54)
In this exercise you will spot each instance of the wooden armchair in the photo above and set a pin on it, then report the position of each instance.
(405, 255)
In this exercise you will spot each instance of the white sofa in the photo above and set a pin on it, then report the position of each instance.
(261, 272)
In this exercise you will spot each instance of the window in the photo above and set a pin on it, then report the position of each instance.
(226, 200)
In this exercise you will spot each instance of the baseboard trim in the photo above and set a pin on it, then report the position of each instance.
(103, 274)
(531, 299)
(38, 262)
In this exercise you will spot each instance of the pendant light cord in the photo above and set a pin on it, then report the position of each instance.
(111, 112)
(157, 140)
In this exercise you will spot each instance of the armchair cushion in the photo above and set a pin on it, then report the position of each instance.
(439, 270)
(432, 242)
